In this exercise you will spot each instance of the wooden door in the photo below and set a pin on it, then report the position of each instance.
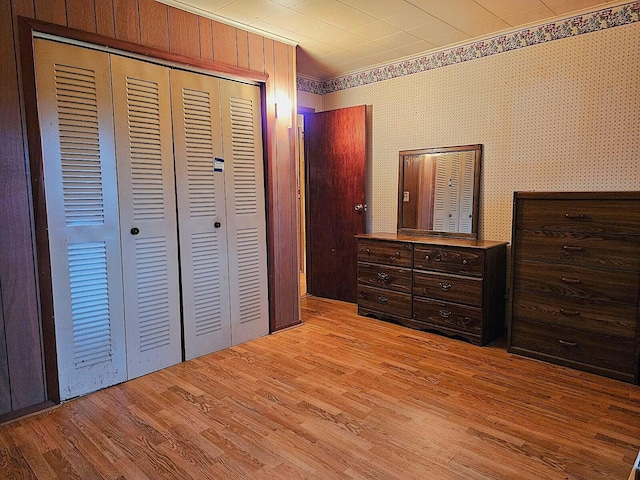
(246, 225)
(200, 186)
(76, 122)
(336, 154)
(149, 237)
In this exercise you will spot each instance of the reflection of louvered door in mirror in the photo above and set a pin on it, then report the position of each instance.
(146, 191)
(76, 124)
(201, 213)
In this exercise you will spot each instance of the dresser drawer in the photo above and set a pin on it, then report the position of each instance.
(588, 348)
(450, 315)
(384, 301)
(610, 216)
(390, 253)
(453, 288)
(593, 316)
(449, 260)
(589, 250)
(376, 275)
(579, 282)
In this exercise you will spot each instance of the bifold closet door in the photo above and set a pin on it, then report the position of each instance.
(200, 181)
(246, 226)
(76, 123)
(148, 223)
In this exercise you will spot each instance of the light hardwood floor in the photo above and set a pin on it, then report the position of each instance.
(340, 397)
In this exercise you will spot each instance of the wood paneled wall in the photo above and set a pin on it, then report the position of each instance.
(151, 24)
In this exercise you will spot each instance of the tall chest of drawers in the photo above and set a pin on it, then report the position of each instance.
(575, 280)
(454, 286)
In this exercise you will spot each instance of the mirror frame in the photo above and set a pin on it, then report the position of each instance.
(478, 149)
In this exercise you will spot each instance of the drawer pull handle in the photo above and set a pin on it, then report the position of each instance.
(362, 294)
(444, 313)
(569, 313)
(437, 258)
(427, 257)
(571, 248)
(564, 343)
(444, 286)
(368, 251)
(465, 261)
(392, 258)
(465, 321)
(572, 281)
(579, 216)
(383, 299)
(383, 277)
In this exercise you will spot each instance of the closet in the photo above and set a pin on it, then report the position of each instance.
(155, 209)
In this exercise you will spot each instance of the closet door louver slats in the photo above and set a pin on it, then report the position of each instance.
(201, 206)
(245, 197)
(76, 117)
(141, 96)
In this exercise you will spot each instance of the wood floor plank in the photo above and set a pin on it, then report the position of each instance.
(340, 397)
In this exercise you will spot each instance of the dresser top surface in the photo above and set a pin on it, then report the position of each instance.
(429, 240)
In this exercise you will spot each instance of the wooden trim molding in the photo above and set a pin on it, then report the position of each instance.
(222, 69)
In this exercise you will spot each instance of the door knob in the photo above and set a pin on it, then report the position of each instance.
(135, 231)
(217, 224)
(359, 207)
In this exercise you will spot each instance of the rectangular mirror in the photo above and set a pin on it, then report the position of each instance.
(438, 191)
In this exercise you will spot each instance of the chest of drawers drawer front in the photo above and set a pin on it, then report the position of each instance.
(580, 314)
(580, 282)
(580, 215)
(384, 301)
(452, 288)
(587, 348)
(450, 315)
(579, 249)
(449, 260)
(382, 276)
(390, 253)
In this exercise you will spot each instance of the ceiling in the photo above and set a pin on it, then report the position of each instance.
(336, 37)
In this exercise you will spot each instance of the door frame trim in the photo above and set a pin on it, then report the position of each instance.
(28, 30)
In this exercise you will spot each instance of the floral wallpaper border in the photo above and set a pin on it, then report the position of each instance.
(570, 27)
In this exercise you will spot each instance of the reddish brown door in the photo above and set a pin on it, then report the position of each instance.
(336, 154)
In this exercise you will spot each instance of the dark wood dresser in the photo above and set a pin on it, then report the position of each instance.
(575, 280)
(454, 286)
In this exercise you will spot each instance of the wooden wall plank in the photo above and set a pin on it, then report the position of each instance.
(206, 38)
(53, 11)
(5, 385)
(225, 46)
(81, 14)
(17, 263)
(287, 182)
(184, 34)
(256, 52)
(243, 48)
(127, 20)
(154, 24)
(105, 21)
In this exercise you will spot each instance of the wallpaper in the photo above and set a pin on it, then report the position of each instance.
(555, 116)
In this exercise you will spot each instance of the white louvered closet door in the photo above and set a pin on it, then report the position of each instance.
(146, 187)
(244, 174)
(441, 194)
(76, 123)
(201, 213)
